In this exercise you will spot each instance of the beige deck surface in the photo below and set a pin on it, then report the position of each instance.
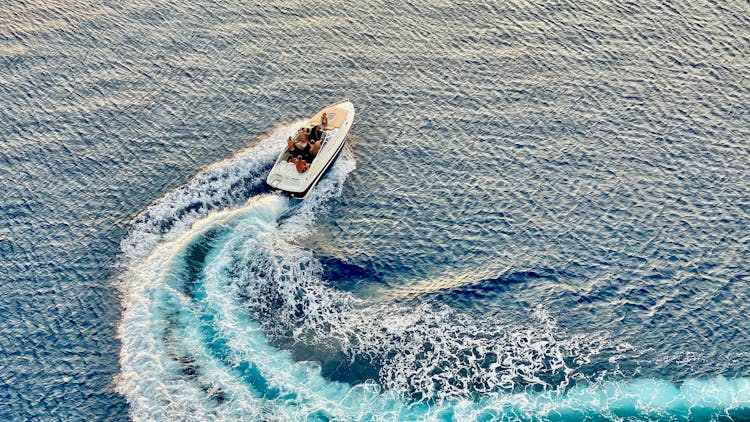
(336, 117)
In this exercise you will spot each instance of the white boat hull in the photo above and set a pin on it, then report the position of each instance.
(284, 175)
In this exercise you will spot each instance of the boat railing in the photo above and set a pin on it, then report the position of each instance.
(324, 138)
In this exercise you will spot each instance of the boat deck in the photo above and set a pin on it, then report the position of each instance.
(336, 117)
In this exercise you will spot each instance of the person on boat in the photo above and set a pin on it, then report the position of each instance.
(300, 146)
(314, 148)
(300, 164)
(302, 141)
(302, 135)
(324, 120)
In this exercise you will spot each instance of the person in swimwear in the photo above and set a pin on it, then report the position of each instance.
(314, 148)
(302, 146)
(299, 147)
(299, 163)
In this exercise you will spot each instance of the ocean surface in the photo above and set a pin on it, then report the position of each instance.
(542, 212)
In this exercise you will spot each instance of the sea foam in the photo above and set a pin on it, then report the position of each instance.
(214, 282)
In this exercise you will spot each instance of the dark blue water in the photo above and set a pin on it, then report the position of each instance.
(542, 214)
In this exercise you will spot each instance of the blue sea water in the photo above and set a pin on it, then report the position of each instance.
(543, 212)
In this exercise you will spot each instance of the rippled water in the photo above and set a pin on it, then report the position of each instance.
(543, 212)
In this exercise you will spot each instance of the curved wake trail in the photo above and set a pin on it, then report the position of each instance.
(215, 287)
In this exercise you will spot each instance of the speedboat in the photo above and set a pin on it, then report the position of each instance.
(285, 175)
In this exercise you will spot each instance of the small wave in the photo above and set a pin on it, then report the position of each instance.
(479, 283)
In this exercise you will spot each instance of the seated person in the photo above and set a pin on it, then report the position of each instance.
(299, 164)
(302, 135)
(300, 146)
(302, 140)
(314, 148)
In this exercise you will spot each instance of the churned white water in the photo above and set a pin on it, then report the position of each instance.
(212, 293)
